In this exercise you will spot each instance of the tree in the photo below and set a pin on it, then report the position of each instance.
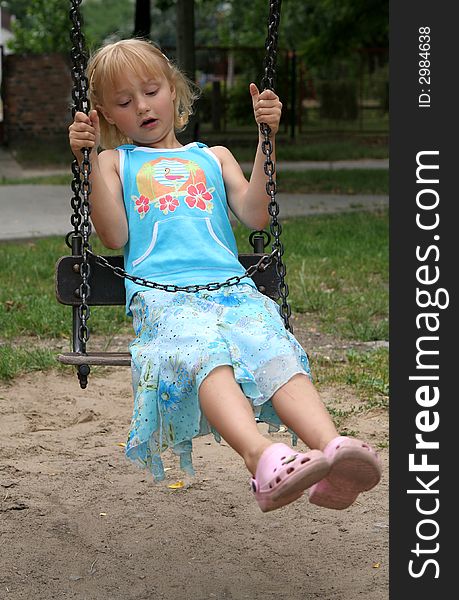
(142, 21)
(17, 8)
(185, 27)
(40, 27)
(335, 29)
(101, 25)
(322, 30)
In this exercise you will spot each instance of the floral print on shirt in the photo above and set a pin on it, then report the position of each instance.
(165, 182)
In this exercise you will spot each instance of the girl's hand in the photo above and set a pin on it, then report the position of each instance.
(84, 132)
(267, 107)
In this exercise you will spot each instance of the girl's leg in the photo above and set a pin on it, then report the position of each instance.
(229, 412)
(280, 475)
(299, 406)
(354, 465)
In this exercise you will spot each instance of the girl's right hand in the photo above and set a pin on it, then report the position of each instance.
(84, 132)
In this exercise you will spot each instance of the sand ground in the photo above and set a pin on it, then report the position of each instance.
(78, 521)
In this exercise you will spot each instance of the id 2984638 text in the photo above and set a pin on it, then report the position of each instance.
(424, 67)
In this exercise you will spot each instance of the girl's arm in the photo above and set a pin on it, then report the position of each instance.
(248, 199)
(107, 207)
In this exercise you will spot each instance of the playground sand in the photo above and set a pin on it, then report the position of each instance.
(78, 521)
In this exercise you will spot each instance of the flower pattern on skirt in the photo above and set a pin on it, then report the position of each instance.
(180, 338)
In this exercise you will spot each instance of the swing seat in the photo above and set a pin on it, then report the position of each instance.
(107, 289)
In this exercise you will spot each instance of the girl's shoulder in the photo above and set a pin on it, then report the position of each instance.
(109, 159)
(222, 153)
(109, 156)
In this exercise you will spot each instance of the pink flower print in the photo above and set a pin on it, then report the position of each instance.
(168, 203)
(199, 197)
(142, 205)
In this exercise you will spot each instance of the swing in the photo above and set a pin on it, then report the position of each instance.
(85, 279)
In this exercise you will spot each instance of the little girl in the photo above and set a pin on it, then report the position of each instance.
(209, 360)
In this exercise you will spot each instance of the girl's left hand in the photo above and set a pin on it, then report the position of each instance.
(267, 107)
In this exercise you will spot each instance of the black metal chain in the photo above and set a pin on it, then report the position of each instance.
(81, 184)
(268, 82)
(261, 265)
(269, 76)
(276, 228)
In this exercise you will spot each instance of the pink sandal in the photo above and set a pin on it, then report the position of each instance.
(354, 468)
(282, 475)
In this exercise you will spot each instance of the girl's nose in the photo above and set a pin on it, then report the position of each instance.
(142, 107)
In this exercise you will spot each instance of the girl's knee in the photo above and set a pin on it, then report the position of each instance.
(223, 375)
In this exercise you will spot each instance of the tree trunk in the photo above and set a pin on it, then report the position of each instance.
(142, 23)
(185, 30)
(185, 37)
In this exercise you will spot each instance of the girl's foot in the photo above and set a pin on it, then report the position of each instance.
(282, 475)
(354, 468)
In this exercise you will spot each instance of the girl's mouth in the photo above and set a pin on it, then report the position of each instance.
(149, 123)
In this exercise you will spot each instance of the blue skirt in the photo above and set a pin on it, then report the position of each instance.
(180, 338)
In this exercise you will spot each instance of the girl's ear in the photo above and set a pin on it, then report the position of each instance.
(105, 113)
(173, 92)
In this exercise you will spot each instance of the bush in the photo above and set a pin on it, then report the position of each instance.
(44, 28)
(384, 96)
(239, 105)
(338, 100)
(206, 104)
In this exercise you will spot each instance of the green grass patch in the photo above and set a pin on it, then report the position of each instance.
(347, 149)
(366, 371)
(327, 181)
(28, 306)
(340, 181)
(242, 143)
(33, 152)
(339, 417)
(337, 268)
(319, 149)
(62, 179)
(16, 360)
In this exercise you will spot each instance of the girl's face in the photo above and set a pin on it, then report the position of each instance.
(142, 108)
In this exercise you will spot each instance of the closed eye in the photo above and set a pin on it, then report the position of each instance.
(152, 93)
(124, 103)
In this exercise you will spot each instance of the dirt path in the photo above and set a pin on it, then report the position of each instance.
(77, 521)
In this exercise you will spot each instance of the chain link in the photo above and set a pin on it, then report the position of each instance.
(268, 82)
(276, 228)
(261, 265)
(81, 186)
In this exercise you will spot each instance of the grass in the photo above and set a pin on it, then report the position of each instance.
(33, 153)
(340, 181)
(27, 302)
(57, 179)
(366, 371)
(336, 268)
(312, 146)
(320, 150)
(16, 360)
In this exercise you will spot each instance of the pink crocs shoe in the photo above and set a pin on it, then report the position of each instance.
(354, 467)
(282, 475)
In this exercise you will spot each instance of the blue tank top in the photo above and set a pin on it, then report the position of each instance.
(177, 212)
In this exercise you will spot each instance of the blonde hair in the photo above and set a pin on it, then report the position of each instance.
(107, 67)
